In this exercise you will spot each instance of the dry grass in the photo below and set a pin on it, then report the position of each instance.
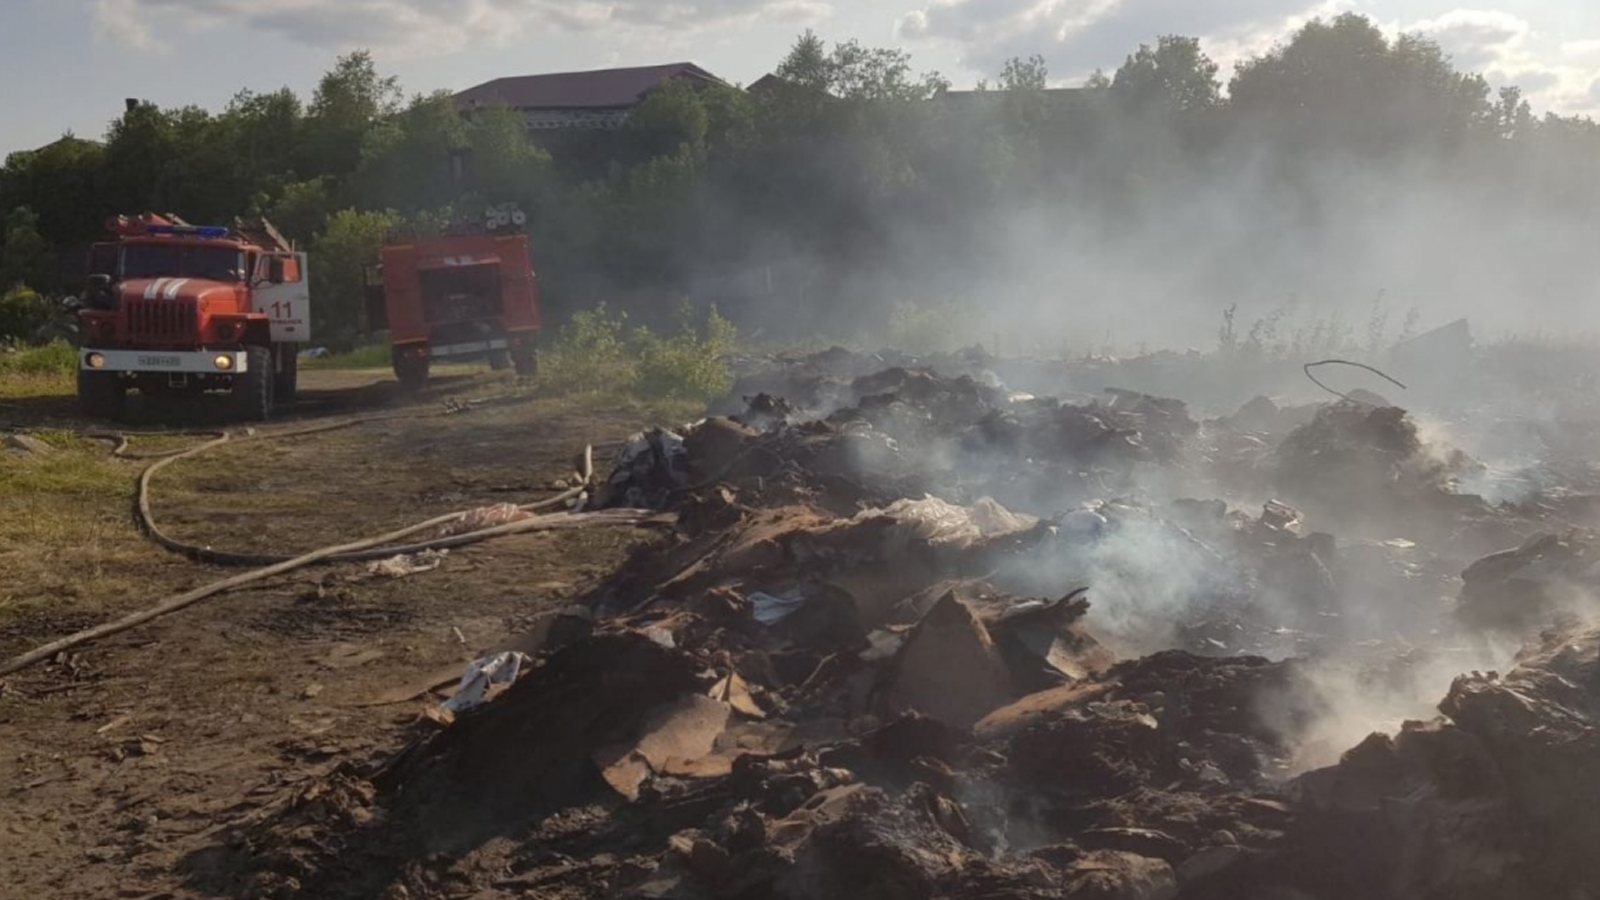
(27, 386)
(66, 532)
(69, 543)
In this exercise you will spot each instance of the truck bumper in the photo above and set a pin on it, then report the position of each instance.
(188, 362)
(469, 348)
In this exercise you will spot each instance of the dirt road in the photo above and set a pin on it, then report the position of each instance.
(119, 765)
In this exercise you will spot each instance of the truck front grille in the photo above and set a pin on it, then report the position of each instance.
(162, 320)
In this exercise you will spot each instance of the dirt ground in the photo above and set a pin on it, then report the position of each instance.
(123, 760)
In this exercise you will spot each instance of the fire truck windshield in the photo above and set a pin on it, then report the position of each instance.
(178, 260)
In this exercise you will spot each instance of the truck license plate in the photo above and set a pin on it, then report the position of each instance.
(161, 362)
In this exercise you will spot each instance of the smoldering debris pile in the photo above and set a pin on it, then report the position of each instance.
(917, 643)
(1496, 800)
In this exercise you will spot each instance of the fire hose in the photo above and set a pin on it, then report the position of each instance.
(380, 547)
(1345, 362)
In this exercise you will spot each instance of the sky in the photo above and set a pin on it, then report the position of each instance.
(68, 64)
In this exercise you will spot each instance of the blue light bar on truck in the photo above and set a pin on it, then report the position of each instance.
(205, 231)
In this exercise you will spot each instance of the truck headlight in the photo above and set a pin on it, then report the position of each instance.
(95, 361)
(223, 361)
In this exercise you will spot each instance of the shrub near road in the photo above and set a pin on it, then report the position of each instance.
(597, 352)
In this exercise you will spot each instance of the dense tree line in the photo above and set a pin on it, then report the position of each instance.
(851, 178)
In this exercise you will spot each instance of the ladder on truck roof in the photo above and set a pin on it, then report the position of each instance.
(262, 233)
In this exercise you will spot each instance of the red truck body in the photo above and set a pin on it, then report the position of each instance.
(460, 297)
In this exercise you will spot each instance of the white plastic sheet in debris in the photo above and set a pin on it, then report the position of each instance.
(407, 564)
(500, 669)
(770, 609)
(939, 522)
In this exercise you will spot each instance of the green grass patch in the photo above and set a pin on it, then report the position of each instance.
(366, 356)
(45, 371)
(57, 358)
(80, 469)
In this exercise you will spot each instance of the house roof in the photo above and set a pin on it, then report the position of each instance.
(597, 89)
(765, 83)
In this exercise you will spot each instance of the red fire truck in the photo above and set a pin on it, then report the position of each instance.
(463, 295)
(174, 309)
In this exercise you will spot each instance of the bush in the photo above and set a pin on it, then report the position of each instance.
(596, 352)
(55, 358)
(590, 353)
(689, 365)
(929, 329)
(23, 311)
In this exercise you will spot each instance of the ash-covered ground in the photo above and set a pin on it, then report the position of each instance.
(957, 626)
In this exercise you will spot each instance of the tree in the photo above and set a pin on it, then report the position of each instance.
(349, 242)
(1513, 117)
(265, 132)
(670, 117)
(1024, 82)
(25, 257)
(730, 117)
(408, 158)
(139, 146)
(1025, 75)
(807, 64)
(347, 102)
(1174, 75)
(301, 208)
(1343, 84)
(63, 183)
(505, 164)
(879, 74)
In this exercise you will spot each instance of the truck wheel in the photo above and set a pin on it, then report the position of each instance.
(284, 385)
(102, 395)
(413, 373)
(252, 388)
(499, 360)
(526, 358)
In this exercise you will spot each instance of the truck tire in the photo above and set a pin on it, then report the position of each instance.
(284, 383)
(252, 388)
(412, 373)
(102, 395)
(526, 358)
(499, 360)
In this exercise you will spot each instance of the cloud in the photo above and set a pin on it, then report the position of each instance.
(433, 26)
(1476, 38)
(1075, 36)
(117, 23)
(1508, 50)
(1078, 35)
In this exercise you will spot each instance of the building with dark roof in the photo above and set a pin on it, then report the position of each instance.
(602, 98)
